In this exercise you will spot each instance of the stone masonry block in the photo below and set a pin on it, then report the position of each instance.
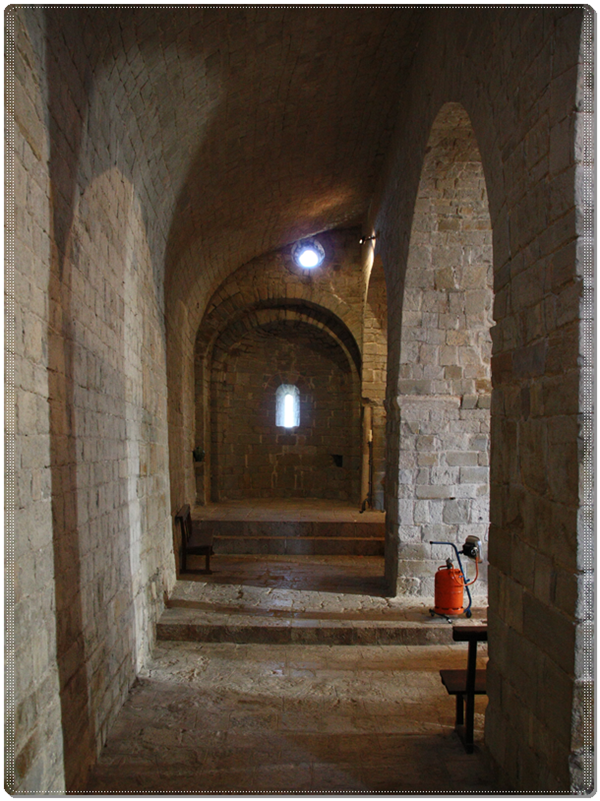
(456, 511)
(428, 492)
(474, 474)
(550, 630)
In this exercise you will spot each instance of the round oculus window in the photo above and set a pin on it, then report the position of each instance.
(308, 254)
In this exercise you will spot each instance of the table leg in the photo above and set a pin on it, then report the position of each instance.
(470, 705)
(460, 704)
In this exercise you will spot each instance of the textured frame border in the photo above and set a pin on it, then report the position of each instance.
(587, 199)
(9, 401)
(588, 386)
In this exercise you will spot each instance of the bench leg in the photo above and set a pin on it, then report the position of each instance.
(207, 565)
(470, 704)
(460, 719)
(469, 726)
(183, 561)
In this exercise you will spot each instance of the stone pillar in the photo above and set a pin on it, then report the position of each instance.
(366, 478)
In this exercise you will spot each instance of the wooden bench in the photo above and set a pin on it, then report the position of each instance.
(466, 684)
(455, 681)
(195, 540)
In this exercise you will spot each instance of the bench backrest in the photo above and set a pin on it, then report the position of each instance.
(185, 521)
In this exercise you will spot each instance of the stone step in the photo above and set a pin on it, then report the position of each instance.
(293, 529)
(297, 538)
(207, 623)
(300, 546)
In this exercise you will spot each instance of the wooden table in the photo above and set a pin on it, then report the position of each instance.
(471, 634)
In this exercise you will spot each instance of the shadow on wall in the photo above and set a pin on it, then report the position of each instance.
(79, 742)
(96, 639)
(95, 625)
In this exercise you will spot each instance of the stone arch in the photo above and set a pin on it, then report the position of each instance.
(271, 288)
(444, 387)
(263, 317)
(273, 276)
(213, 343)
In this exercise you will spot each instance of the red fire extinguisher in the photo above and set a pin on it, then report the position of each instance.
(450, 582)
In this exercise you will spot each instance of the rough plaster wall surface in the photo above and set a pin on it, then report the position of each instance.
(252, 456)
(444, 385)
(104, 476)
(520, 89)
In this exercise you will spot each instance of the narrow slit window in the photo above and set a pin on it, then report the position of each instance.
(287, 406)
(289, 410)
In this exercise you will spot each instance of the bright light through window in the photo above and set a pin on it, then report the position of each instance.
(308, 258)
(287, 400)
(308, 254)
(288, 411)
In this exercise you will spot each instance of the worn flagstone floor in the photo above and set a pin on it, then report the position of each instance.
(222, 717)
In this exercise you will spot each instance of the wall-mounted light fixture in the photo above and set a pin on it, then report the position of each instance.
(364, 239)
(308, 254)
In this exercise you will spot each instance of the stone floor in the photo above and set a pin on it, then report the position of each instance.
(210, 718)
(247, 717)
(336, 578)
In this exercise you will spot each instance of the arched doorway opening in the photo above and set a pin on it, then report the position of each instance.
(279, 487)
(271, 487)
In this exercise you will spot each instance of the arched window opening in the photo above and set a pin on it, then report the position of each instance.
(287, 407)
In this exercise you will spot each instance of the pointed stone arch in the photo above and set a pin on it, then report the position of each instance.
(444, 386)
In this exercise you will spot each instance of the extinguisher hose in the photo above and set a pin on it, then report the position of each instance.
(468, 583)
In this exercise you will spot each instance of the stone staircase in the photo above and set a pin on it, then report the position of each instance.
(293, 527)
(298, 538)
(258, 609)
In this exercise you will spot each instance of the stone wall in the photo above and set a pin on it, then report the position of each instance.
(94, 527)
(252, 457)
(520, 77)
(444, 387)
(33, 708)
